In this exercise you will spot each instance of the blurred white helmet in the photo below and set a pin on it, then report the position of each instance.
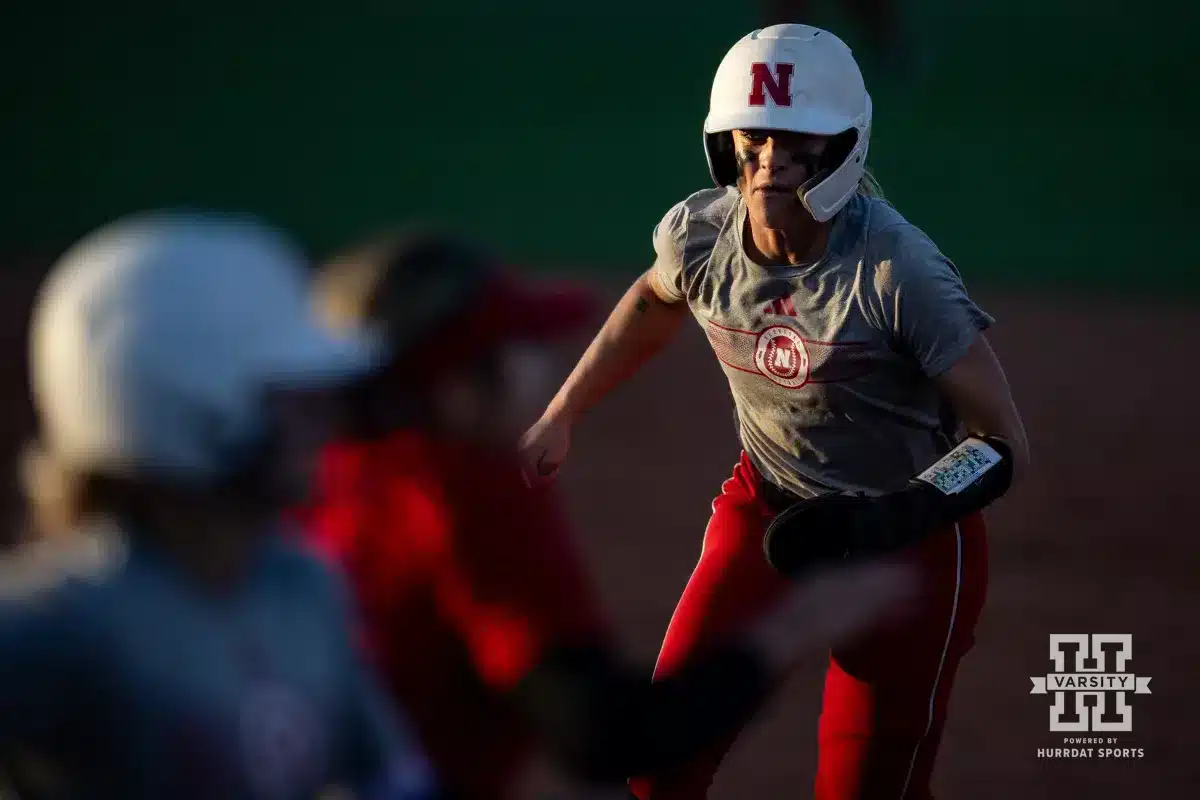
(155, 339)
(791, 78)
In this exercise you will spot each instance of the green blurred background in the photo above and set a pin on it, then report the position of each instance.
(1049, 146)
(1044, 143)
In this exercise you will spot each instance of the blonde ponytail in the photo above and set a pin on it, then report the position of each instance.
(868, 186)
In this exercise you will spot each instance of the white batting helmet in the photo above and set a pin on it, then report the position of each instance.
(791, 78)
(155, 338)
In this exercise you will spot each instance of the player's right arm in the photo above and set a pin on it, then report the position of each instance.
(643, 322)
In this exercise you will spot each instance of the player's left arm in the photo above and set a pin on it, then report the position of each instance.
(920, 302)
(924, 306)
(978, 391)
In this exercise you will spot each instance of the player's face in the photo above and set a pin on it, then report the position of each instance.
(772, 166)
(305, 421)
(528, 378)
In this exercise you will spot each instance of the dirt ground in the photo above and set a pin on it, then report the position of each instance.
(1102, 539)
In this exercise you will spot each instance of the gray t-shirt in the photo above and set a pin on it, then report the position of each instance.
(142, 686)
(829, 364)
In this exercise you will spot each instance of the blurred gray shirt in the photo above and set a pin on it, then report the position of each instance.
(829, 364)
(140, 685)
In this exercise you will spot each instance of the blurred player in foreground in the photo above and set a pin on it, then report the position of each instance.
(481, 614)
(871, 409)
(166, 641)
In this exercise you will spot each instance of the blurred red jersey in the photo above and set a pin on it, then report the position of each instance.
(464, 577)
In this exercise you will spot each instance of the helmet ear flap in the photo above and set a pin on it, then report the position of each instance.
(840, 147)
(722, 164)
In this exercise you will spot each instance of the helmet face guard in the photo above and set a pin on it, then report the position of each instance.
(792, 78)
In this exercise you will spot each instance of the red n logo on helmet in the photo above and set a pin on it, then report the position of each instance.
(765, 81)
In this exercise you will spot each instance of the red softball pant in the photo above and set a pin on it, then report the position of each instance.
(886, 694)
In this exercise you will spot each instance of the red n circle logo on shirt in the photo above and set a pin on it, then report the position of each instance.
(780, 355)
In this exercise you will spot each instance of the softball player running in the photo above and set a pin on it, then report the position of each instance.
(476, 603)
(855, 359)
(173, 644)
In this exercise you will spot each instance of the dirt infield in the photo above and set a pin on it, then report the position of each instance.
(1102, 539)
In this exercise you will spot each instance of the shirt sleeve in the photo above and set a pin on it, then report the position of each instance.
(669, 237)
(38, 647)
(512, 580)
(923, 303)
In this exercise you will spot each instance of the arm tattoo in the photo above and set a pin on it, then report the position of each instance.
(641, 305)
